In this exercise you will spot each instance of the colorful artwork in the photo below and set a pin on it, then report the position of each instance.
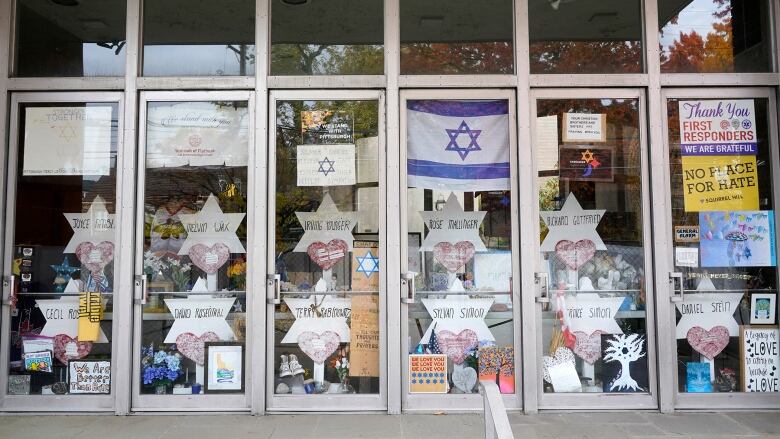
(38, 361)
(737, 238)
(224, 367)
(498, 364)
(625, 363)
(428, 373)
(698, 378)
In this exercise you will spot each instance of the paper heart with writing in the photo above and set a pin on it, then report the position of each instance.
(318, 346)
(327, 255)
(95, 257)
(209, 259)
(575, 254)
(193, 347)
(453, 256)
(588, 347)
(708, 343)
(562, 355)
(457, 346)
(67, 348)
(464, 378)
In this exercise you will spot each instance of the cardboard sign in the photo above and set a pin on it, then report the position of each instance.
(686, 233)
(572, 223)
(365, 266)
(457, 313)
(364, 338)
(428, 373)
(708, 310)
(89, 376)
(760, 366)
(738, 238)
(586, 163)
(326, 127)
(325, 165)
(584, 127)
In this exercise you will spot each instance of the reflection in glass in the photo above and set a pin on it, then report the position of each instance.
(594, 331)
(84, 39)
(598, 36)
(326, 38)
(446, 37)
(714, 36)
(63, 243)
(199, 38)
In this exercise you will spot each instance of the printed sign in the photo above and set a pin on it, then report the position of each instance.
(686, 233)
(760, 359)
(737, 238)
(67, 140)
(38, 361)
(584, 127)
(365, 266)
(686, 256)
(89, 376)
(364, 338)
(326, 165)
(586, 163)
(428, 373)
(720, 183)
(326, 127)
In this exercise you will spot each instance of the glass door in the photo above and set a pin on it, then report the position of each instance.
(192, 308)
(326, 252)
(63, 193)
(459, 315)
(594, 315)
(722, 153)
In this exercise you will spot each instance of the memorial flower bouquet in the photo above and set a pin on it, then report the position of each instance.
(159, 368)
(237, 274)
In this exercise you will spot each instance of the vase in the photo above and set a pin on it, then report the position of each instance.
(344, 386)
(161, 389)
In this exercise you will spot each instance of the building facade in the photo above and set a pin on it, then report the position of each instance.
(341, 205)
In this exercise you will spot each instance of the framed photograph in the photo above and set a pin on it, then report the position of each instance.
(762, 308)
(224, 367)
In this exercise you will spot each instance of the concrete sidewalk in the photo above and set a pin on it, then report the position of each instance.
(455, 426)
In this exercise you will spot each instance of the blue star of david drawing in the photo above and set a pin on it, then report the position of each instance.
(368, 264)
(330, 164)
(463, 129)
(63, 271)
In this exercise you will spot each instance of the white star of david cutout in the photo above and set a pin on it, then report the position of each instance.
(571, 223)
(198, 314)
(452, 224)
(334, 313)
(211, 226)
(589, 313)
(62, 315)
(326, 224)
(708, 310)
(95, 225)
(456, 313)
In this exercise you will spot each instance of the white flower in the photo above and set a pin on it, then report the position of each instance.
(338, 364)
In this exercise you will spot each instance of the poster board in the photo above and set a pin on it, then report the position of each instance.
(364, 337)
(428, 373)
(89, 376)
(365, 265)
(760, 359)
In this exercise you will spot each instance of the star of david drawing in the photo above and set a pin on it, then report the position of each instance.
(472, 134)
(67, 132)
(368, 264)
(329, 163)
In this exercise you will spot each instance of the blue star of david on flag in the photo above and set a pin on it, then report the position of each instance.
(329, 168)
(472, 139)
(368, 264)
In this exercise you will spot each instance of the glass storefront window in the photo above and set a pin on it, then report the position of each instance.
(585, 36)
(63, 248)
(70, 38)
(715, 36)
(199, 38)
(194, 243)
(594, 331)
(723, 222)
(327, 38)
(454, 37)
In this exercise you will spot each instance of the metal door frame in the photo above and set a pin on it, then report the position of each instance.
(327, 402)
(434, 402)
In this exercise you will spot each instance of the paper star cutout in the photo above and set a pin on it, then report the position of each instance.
(572, 223)
(325, 224)
(62, 315)
(447, 314)
(330, 164)
(708, 310)
(95, 225)
(211, 226)
(333, 316)
(452, 224)
(198, 314)
(589, 313)
(472, 134)
(63, 272)
(368, 264)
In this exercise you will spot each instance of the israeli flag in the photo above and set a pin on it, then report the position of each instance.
(458, 145)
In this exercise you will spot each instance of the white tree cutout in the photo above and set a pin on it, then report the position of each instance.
(625, 349)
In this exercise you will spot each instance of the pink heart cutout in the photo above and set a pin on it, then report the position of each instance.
(319, 346)
(452, 257)
(588, 347)
(708, 343)
(193, 347)
(61, 342)
(327, 255)
(457, 347)
(95, 257)
(575, 254)
(209, 259)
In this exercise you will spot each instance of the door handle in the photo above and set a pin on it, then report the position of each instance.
(542, 280)
(407, 281)
(139, 288)
(678, 294)
(9, 290)
(274, 281)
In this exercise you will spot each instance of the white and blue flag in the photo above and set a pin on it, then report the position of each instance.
(458, 145)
